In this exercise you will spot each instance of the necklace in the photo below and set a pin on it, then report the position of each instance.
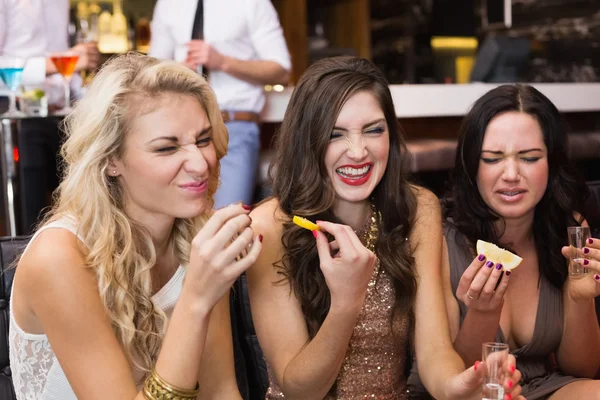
(369, 232)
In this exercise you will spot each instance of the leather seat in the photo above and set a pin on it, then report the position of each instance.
(10, 248)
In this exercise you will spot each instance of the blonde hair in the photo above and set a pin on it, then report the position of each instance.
(121, 252)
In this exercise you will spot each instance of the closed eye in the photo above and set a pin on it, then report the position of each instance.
(335, 135)
(490, 160)
(376, 131)
(204, 141)
(167, 149)
(530, 159)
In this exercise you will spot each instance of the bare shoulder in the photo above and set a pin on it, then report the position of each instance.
(268, 220)
(54, 261)
(428, 204)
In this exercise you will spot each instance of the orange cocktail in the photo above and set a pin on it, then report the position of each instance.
(65, 63)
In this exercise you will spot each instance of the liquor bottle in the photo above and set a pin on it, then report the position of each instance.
(118, 28)
(104, 31)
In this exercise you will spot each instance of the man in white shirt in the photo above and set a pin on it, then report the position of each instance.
(31, 29)
(243, 48)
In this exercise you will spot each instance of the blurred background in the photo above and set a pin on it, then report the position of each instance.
(412, 41)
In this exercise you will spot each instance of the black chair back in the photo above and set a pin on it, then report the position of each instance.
(10, 248)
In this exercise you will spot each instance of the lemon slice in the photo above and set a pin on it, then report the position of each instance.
(306, 224)
(497, 255)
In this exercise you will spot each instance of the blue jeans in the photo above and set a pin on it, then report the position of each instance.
(238, 167)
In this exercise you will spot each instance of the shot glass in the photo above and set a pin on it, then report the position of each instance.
(578, 236)
(495, 356)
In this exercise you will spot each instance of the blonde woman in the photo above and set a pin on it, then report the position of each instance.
(101, 278)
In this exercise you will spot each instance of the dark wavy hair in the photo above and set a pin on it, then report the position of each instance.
(565, 194)
(303, 187)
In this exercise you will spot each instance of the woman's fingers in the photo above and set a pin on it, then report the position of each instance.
(230, 230)
(474, 290)
(218, 219)
(502, 286)
(490, 285)
(239, 246)
(346, 246)
(469, 275)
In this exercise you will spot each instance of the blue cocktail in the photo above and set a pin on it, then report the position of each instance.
(11, 71)
(11, 77)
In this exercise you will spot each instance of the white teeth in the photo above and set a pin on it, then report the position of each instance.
(349, 171)
(510, 193)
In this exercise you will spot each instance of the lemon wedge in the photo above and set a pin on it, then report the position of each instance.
(304, 223)
(36, 94)
(497, 255)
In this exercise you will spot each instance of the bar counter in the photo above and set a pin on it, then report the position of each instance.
(454, 100)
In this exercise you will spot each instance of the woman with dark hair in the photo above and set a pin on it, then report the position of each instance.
(336, 319)
(514, 186)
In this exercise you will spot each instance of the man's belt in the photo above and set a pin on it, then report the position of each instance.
(246, 116)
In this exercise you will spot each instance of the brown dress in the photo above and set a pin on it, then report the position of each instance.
(540, 380)
(374, 364)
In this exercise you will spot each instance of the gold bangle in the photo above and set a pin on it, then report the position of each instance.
(156, 388)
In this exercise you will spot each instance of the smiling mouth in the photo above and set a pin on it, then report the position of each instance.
(354, 173)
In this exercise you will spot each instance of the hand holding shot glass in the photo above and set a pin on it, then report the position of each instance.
(501, 378)
(578, 237)
(495, 357)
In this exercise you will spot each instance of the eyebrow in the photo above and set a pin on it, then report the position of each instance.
(520, 152)
(368, 124)
(175, 138)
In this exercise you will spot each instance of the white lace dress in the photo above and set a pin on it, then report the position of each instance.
(36, 373)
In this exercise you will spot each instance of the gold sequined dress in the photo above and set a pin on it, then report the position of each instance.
(374, 364)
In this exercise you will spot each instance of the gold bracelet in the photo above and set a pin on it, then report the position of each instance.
(156, 388)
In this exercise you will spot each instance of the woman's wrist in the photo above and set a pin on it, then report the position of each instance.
(345, 307)
(193, 305)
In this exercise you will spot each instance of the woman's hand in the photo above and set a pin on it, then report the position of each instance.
(477, 286)
(347, 274)
(585, 287)
(214, 258)
(468, 384)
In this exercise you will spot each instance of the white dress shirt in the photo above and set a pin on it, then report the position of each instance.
(243, 29)
(31, 29)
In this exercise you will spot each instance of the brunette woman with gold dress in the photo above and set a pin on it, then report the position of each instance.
(338, 310)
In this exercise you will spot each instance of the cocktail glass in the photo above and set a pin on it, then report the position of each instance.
(65, 63)
(11, 71)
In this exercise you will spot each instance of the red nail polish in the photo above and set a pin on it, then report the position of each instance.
(591, 241)
(507, 397)
(314, 234)
(586, 250)
(597, 277)
(510, 384)
(512, 369)
(260, 237)
(586, 262)
(507, 273)
(476, 365)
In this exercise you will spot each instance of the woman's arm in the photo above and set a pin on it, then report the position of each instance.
(55, 289)
(437, 360)
(579, 351)
(480, 282)
(217, 372)
(304, 369)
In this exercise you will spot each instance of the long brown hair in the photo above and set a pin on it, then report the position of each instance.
(302, 186)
